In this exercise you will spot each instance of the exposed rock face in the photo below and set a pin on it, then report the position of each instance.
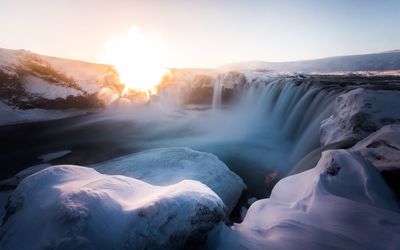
(72, 207)
(359, 113)
(342, 203)
(168, 166)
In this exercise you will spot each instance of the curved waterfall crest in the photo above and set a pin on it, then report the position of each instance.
(292, 107)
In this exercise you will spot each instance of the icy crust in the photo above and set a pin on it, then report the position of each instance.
(382, 148)
(166, 166)
(360, 112)
(72, 207)
(342, 203)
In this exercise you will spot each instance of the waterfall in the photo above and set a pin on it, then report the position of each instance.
(272, 123)
(217, 94)
(294, 109)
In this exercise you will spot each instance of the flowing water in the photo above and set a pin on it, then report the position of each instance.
(272, 125)
(217, 94)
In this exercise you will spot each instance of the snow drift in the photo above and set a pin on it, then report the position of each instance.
(72, 207)
(168, 166)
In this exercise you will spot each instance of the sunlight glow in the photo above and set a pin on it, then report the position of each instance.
(139, 59)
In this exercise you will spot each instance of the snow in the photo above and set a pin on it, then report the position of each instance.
(10, 115)
(368, 73)
(342, 203)
(382, 148)
(72, 207)
(89, 76)
(360, 112)
(46, 89)
(168, 166)
(384, 61)
(54, 155)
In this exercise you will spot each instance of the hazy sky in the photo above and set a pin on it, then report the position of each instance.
(205, 33)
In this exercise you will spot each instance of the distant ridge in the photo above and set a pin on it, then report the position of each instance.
(387, 60)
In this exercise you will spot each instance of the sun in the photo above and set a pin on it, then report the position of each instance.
(139, 59)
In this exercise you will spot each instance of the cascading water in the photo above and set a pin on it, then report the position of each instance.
(273, 125)
(217, 94)
(296, 111)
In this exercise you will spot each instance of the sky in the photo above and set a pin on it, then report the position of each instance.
(204, 33)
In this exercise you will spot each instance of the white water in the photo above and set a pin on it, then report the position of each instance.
(217, 94)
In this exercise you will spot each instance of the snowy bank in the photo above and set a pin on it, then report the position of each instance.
(342, 203)
(168, 166)
(360, 112)
(72, 207)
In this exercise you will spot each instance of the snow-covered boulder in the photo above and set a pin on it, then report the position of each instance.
(72, 207)
(382, 148)
(342, 203)
(166, 166)
(360, 112)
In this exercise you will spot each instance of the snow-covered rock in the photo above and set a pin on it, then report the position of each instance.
(30, 80)
(342, 203)
(360, 112)
(47, 89)
(382, 148)
(72, 207)
(168, 166)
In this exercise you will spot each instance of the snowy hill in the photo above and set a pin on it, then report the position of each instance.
(29, 80)
(389, 60)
